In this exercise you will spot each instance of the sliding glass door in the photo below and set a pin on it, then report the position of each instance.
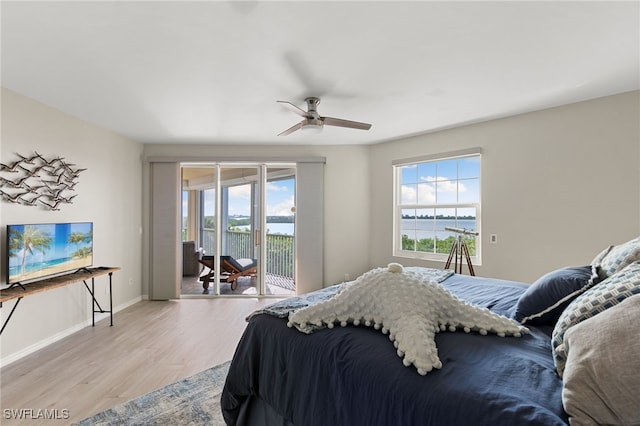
(244, 214)
(240, 212)
(280, 229)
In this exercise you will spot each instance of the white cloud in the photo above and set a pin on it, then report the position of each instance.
(240, 200)
(425, 191)
(445, 185)
(271, 186)
(408, 194)
(240, 191)
(283, 208)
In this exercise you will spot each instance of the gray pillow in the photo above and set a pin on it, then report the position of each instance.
(594, 301)
(601, 382)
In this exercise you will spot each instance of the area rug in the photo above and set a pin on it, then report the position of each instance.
(191, 401)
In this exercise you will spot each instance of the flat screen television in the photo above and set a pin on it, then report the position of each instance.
(41, 250)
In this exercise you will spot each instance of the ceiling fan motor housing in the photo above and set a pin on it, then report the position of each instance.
(312, 107)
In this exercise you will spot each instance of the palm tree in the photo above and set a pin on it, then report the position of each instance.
(15, 242)
(77, 238)
(32, 238)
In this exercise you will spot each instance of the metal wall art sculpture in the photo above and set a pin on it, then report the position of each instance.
(37, 181)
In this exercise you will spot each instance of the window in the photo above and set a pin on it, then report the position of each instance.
(185, 215)
(431, 195)
(207, 219)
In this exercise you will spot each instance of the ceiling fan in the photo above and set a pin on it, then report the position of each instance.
(313, 120)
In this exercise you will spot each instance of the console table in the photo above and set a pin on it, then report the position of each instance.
(19, 291)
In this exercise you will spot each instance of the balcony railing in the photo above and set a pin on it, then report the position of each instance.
(280, 249)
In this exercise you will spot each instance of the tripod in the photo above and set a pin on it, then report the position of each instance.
(459, 249)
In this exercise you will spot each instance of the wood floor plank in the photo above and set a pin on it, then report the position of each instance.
(150, 345)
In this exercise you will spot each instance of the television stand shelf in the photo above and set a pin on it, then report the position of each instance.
(19, 291)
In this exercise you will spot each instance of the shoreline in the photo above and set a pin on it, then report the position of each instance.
(60, 268)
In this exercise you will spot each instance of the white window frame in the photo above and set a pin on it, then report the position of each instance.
(398, 206)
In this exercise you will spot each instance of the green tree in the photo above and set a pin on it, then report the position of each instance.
(280, 251)
(210, 222)
(15, 242)
(78, 238)
(234, 222)
(431, 245)
(32, 238)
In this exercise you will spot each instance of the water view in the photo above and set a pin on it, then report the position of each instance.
(430, 226)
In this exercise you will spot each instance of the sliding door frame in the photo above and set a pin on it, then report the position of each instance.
(309, 264)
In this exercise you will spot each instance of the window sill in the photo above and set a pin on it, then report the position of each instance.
(439, 258)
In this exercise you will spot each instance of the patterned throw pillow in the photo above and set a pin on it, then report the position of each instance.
(619, 257)
(608, 293)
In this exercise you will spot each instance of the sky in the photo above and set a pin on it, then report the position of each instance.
(442, 182)
(280, 199)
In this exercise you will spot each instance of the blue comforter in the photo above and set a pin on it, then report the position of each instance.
(353, 376)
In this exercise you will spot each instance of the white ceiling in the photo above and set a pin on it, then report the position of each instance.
(211, 71)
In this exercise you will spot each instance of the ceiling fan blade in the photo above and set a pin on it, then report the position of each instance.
(292, 129)
(330, 121)
(295, 109)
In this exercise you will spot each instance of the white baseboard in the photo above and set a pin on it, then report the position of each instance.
(61, 335)
(42, 344)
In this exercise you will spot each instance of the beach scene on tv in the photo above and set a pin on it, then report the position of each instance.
(41, 250)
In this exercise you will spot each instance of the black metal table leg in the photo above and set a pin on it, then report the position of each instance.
(93, 306)
(95, 302)
(10, 313)
(110, 299)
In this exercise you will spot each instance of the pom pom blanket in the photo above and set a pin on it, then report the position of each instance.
(407, 306)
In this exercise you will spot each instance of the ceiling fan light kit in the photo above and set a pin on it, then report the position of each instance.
(314, 122)
(312, 126)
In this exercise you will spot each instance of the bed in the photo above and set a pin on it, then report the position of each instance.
(352, 375)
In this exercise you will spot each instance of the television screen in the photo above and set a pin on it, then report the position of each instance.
(39, 250)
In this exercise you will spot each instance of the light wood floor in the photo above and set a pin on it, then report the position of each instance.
(150, 345)
(276, 286)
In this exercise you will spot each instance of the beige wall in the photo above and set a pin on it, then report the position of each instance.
(108, 194)
(558, 185)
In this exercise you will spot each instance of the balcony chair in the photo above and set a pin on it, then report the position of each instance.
(191, 255)
(231, 270)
